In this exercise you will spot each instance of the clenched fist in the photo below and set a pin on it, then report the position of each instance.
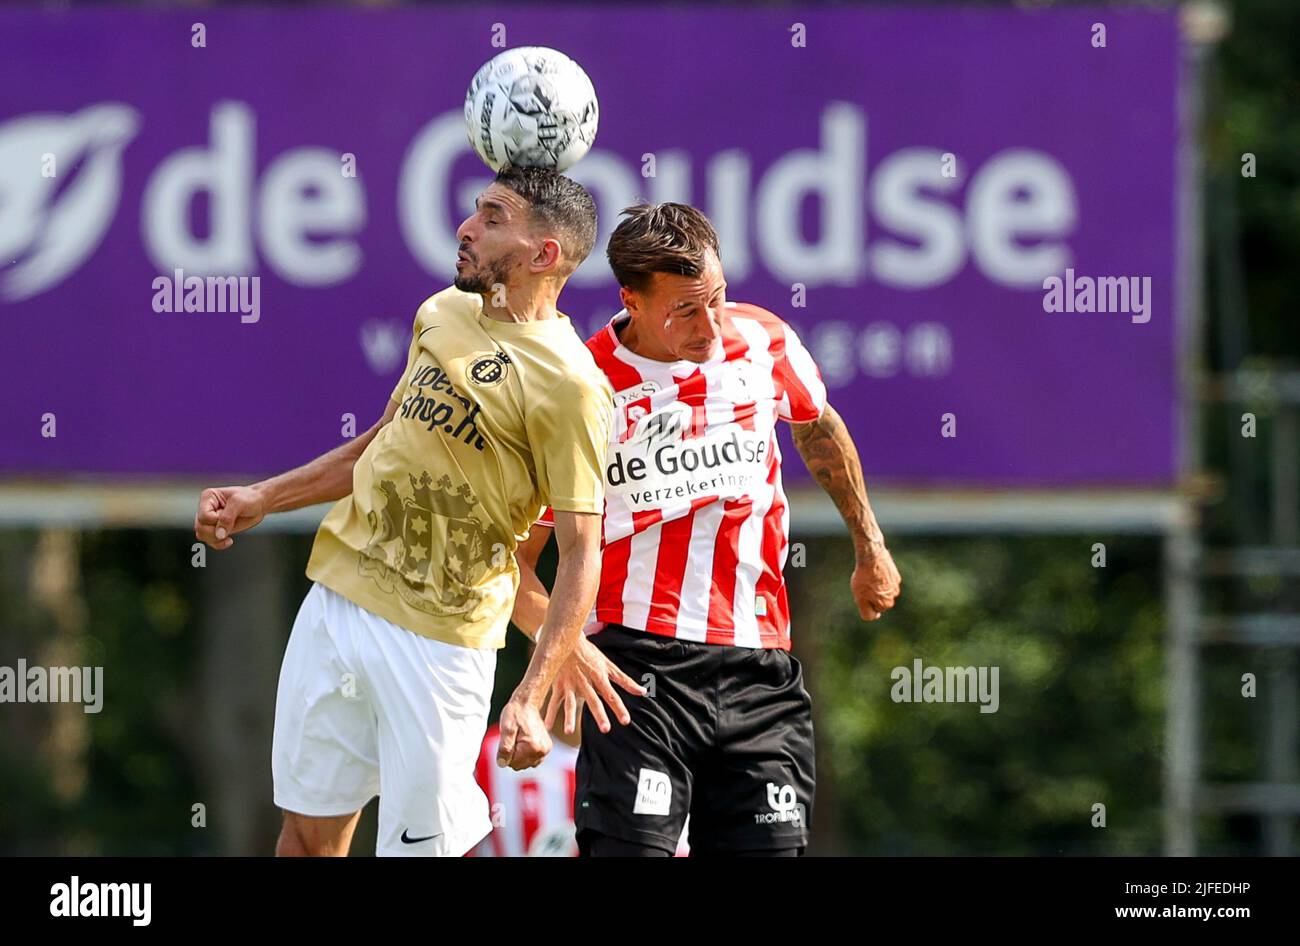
(524, 739)
(226, 510)
(875, 583)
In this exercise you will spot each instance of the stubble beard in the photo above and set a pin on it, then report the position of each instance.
(484, 280)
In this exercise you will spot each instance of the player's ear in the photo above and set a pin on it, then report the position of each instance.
(549, 254)
(629, 299)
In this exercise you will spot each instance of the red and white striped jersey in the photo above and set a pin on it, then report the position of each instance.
(696, 523)
(532, 810)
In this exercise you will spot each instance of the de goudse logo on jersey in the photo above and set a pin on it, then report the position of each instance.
(654, 461)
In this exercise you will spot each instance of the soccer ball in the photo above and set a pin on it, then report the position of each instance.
(531, 107)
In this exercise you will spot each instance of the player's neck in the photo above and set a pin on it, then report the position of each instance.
(632, 340)
(521, 305)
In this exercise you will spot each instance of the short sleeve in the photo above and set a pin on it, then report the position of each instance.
(547, 519)
(569, 432)
(803, 392)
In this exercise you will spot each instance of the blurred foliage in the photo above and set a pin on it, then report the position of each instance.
(137, 586)
(1254, 100)
(1080, 719)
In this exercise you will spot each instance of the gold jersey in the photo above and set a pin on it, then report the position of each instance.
(494, 421)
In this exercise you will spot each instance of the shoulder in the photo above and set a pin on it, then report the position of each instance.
(450, 301)
(580, 369)
(584, 380)
(581, 398)
(600, 340)
(604, 341)
(755, 313)
(578, 387)
(776, 328)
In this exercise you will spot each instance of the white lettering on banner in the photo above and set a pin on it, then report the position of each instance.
(1019, 206)
(224, 171)
(1010, 219)
(843, 350)
(303, 200)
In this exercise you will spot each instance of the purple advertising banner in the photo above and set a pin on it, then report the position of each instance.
(968, 215)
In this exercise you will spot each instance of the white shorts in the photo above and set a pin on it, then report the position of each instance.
(368, 708)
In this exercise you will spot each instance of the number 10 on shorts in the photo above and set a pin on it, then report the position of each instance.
(654, 793)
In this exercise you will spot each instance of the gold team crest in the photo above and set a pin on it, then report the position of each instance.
(427, 546)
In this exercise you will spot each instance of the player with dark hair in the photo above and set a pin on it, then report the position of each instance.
(692, 599)
(388, 673)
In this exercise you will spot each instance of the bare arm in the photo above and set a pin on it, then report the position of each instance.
(532, 599)
(524, 738)
(226, 510)
(325, 479)
(576, 579)
(588, 676)
(832, 458)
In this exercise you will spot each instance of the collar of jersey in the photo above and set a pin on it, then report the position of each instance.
(496, 326)
(679, 369)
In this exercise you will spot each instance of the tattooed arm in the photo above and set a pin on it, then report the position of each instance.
(828, 450)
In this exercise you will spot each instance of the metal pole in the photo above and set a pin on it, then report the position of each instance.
(1181, 546)
(1281, 679)
(1182, 689)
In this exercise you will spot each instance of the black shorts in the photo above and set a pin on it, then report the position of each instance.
(727, 736)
